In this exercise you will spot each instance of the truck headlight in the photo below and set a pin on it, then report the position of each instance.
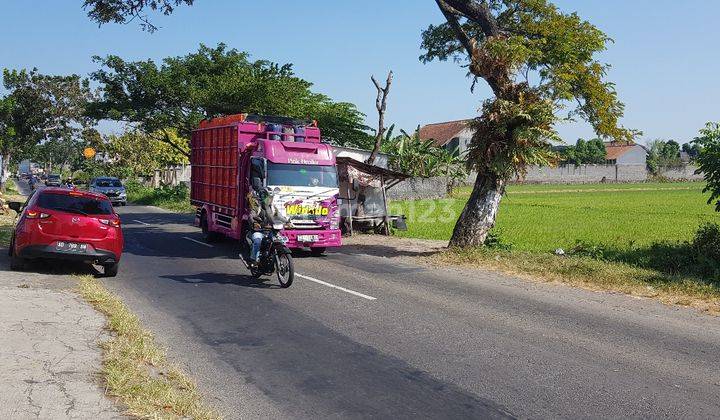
(335, 223)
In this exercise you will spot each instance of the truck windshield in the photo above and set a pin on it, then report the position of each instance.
(301, 175)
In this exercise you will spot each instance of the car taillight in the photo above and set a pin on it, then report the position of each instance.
(33, 214)
(110, 222)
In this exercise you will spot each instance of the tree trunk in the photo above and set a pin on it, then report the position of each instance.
(381, 105)
(479, 214)
(4, 171)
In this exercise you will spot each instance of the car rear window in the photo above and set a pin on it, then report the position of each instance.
(74, 204)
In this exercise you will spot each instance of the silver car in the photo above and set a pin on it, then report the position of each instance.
(111, 187)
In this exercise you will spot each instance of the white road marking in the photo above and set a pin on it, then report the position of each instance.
(352, 292)
(197, 242)
(141, 222)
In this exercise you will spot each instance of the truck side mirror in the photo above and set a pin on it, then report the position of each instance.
(355, 184)
(256, 183)
(15, 205)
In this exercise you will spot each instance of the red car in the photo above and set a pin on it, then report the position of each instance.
(65, 224)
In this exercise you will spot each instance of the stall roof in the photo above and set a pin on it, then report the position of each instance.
(387, 174)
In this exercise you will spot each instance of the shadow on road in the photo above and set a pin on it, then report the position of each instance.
(223, 278)
(389, 251)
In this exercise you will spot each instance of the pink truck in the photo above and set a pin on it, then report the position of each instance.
(230, 154)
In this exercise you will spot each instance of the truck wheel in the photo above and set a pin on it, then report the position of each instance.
(316, 252)
(208, 235)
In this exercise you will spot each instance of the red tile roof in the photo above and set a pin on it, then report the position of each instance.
(443, 132)
(614, 150)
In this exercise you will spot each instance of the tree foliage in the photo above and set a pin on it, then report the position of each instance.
(511, 44)
(181, 91)
(134, 154)
(538, 61)
(40, 109)
(663, 154)
(124, 11)
(585, 152)
(692, 149)
(709, 160)
(422, 158)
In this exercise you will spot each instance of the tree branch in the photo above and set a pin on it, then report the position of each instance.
(166, 139)
(479, 13)
(451, 17)
(381, 105)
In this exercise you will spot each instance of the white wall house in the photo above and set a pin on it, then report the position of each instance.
(625, 154)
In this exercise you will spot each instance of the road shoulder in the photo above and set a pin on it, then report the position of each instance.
(49, 347)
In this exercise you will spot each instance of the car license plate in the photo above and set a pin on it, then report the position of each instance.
(307, 238)
(71, 247)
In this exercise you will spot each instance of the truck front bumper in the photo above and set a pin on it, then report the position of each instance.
(298, 239)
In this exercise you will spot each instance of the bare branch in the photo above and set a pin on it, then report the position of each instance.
(381, 105)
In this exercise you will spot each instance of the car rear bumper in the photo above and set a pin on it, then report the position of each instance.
(98, 256)
(326, 238)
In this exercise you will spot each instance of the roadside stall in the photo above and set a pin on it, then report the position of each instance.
(363, 199)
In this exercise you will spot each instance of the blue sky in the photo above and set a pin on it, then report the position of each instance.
(665, 56)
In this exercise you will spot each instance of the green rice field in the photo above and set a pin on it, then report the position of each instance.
(542, 218)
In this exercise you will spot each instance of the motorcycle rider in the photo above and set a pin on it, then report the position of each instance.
(262, 214)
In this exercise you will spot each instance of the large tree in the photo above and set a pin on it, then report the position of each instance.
(536, 61)
(39, 109)
(177, 94)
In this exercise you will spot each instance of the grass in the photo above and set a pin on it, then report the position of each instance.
(135, 368)
(542, 218)
(592, 274)
(7, 218)
(631, 238)
(170, 198)
(6, 228)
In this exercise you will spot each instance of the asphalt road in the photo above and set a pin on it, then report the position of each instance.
(396, 340)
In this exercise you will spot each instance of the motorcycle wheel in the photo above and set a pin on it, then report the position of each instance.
(285, 269)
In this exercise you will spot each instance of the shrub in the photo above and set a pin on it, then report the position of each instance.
(706, 249)
(588, 249)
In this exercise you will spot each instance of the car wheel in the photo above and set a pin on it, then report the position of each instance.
(111, 269)
(17, 263)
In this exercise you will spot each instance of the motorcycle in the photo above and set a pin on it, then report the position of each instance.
(274, 256)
